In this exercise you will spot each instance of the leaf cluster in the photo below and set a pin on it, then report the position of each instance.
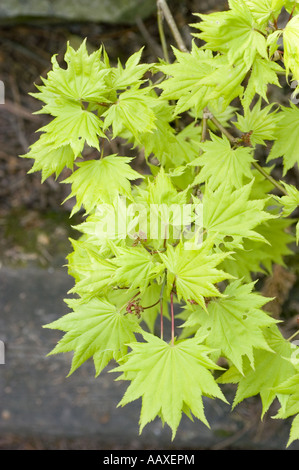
(195, 231)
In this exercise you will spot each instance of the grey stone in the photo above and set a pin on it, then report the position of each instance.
(106, 11)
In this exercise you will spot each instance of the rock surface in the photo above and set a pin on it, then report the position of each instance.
(106, 11)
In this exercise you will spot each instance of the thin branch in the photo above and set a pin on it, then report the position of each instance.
(162, 6)
(162, 33)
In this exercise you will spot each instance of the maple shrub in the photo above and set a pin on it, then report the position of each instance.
(167, 259)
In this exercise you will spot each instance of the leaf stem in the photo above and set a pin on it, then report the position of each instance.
(172, 318)
(161, 308)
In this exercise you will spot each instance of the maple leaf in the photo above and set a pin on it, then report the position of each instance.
(259, 257)
(74, 126)
(97, 181)
(270, 370)
(136, 267)
(194, 272)
(288, 396)
(169, 379)
(291, 48)
(82, 80)
(263, 73)
(132, 111)
(130, 75)
(184, 79)
(261, 123)
(232, 32)
(49, 160)
(230, 213)
(235, 164)
(94, 329)
(265, 10)
(240, 316)
(93, 273)
(287, 135)
(290, 201)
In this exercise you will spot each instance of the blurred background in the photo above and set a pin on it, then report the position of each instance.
(39, 407)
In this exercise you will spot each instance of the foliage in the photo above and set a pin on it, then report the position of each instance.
(198, 228)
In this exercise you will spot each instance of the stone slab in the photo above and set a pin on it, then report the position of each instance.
(105, 11)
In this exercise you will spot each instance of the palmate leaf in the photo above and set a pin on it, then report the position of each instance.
(233, 32)
(74, 126)
(83, 79)
(169, 379)
(263, 73)
(287, 135)
(288, 395)
(50, 160)
(94, 329)
(259, 257)
(261, 123)
(234, 324)
(133, 111)
(136, 267)
(102, 180)
(93, 273)
(184, 79)
(194, 272)
(220, 162)
(291, 48)
(270, 370)
(130, 75)
(230, 213)
(264, 10)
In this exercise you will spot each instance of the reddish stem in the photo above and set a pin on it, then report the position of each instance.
(161, 317)
(172, 318)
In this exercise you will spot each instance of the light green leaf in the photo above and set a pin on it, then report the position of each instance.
(233, 33)
(194, 273)
(234, 324)
(230, 213)
(132, 111)
(102, 180)
(270, 370)
(169, 379)
(95, 328)
(260, 123)
(287, 135)
(291, 48)
(220, 162)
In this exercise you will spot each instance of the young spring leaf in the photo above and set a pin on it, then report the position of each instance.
(270, 370)
(260, 123)
(287, 135)
(169, 379)
(102, 180)
(194, 273)
(94, 329)
(233, 33)
(230, 213)
(239, 314)
(235, 164)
